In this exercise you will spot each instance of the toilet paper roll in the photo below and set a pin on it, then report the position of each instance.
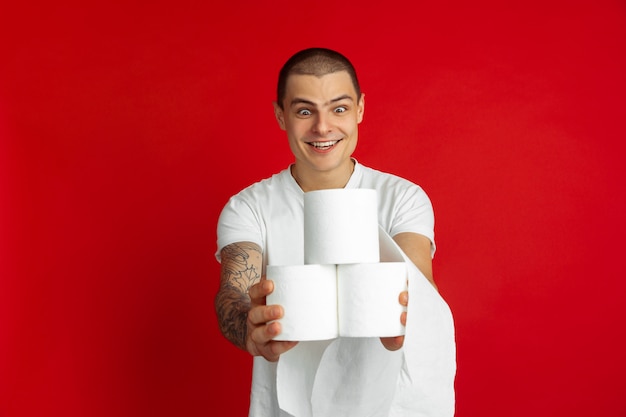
(340, 226)
(308, 295)
(368, 299)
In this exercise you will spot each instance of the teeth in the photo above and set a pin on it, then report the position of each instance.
(324, 144)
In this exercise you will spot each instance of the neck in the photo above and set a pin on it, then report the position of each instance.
(311, 181)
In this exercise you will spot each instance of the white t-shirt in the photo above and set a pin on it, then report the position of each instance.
(270, 214)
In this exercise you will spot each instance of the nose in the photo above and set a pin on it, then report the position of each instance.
(322, 124)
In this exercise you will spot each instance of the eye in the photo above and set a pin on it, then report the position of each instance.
(340, 109)
(304, 112)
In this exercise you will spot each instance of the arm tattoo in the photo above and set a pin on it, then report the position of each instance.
(241, 264)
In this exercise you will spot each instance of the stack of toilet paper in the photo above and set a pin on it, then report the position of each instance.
(344, 288)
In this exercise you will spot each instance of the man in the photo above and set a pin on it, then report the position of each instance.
(319, 105)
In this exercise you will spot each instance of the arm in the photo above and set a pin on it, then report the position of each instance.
(417, 248)
(240, 303)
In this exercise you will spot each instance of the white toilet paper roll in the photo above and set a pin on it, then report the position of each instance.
(308, 295)
(368, 299)
(340, 226)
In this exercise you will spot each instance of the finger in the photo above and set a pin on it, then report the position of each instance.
(403, 318)
(262, 314)
(262, 335)
(392, 343)
(404, 298)
(274, 349)
(280, 347)
(261, 289)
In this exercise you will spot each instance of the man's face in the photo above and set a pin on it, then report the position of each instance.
(321, 117)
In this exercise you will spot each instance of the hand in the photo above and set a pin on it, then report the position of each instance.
(260, 333)
(396, 342)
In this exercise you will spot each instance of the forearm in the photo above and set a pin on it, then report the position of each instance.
(417, 248)
(232, 309)
(241, 266)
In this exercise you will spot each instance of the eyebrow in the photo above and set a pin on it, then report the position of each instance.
(298, 100)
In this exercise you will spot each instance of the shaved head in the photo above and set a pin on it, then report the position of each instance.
(317, 62)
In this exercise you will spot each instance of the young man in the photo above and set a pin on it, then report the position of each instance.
(319, 105)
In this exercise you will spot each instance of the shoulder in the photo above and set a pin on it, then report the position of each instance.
(264, 188)
(403, 206)
(389, 184)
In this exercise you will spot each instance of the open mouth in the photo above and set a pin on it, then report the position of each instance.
(322, 146)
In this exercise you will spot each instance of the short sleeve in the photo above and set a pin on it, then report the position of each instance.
(238, 222)
(414, 213)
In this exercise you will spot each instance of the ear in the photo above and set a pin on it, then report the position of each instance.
(280, 115)
(361, 108)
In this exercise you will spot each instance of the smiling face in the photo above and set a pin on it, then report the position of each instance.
(321, 117)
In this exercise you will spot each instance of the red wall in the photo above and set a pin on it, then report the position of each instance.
(124, 129)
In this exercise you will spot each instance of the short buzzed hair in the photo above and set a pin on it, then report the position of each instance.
(317, 62)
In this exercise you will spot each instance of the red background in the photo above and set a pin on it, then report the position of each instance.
(124, 128)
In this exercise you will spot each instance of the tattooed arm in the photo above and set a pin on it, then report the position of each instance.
(241, 269)
(240, 303)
